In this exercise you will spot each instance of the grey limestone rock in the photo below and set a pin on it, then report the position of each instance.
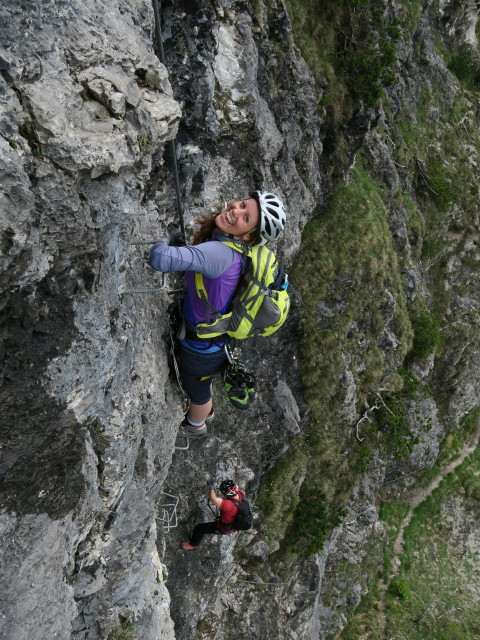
(89, 408)
(80, 87)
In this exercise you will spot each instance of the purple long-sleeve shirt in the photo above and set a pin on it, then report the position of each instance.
(209, 258)
(221, 267)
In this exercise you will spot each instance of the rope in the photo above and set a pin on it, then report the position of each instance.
(180, 208)
(264, 584)
(173, 149)
(144, 290)
(185, 401)
(215, 513)
(274, 584)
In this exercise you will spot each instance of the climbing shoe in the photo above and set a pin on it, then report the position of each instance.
(187, 429)
(239, 385)
(210, 416)
(187, 546)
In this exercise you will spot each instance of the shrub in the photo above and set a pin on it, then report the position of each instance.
(124, 632)
(466, 66)
(399, 588)
(453, 631)
(426, 334)
(443, 191)
(312, 522)
(350, 43)
(471, 420)
(143, 142)
(368, 66)
(397, 435)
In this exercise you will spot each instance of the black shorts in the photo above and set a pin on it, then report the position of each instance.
(197, 370)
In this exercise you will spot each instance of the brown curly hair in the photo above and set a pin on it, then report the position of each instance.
(208, 226)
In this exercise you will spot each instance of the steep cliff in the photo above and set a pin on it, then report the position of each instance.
(84, 369)
(363, 116)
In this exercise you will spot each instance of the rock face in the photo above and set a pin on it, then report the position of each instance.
(92, 483)
(83, 98)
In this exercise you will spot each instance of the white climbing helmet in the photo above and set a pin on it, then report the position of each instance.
(272, 215)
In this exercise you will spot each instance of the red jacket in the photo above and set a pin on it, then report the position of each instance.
(228, 511)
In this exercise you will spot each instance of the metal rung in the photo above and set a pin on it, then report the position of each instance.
(169, 513)
(184, 448)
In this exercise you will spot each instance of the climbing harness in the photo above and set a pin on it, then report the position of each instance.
(216, 513)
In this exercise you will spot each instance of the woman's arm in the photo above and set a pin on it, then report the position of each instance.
(209, 258)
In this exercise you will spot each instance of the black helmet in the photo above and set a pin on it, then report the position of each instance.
(229, 488)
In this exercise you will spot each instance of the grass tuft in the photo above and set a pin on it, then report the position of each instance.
(126, 631)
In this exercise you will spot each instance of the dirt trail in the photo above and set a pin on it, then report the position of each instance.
(417, 496)
(421, 494)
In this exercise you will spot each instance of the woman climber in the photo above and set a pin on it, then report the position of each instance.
(258, 219)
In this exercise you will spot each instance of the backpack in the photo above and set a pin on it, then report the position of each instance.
(260, 304)
(244, 518)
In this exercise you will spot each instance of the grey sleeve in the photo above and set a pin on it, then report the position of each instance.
(209, 258)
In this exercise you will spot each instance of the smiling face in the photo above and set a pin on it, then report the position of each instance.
(239, 218)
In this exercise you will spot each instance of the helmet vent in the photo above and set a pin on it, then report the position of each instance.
(273, 212)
